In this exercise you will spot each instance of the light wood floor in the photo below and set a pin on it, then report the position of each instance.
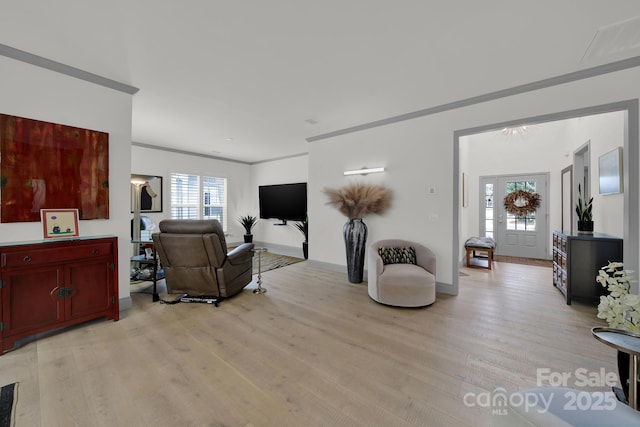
(313, 351)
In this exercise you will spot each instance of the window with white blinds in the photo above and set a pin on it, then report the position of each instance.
(195, 197)
(214, 199)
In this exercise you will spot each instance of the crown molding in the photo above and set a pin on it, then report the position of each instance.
(504, 93)
(58, 67)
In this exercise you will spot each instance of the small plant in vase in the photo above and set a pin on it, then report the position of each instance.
(248, 222)
(584, 212)
(303, 227)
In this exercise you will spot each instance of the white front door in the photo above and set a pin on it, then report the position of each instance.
(524, 236)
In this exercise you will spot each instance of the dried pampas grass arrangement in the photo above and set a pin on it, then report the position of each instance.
(356, 200)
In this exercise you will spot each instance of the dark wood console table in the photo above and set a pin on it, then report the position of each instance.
(577, 258)
(52, 283)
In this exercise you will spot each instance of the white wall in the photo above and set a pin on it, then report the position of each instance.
(414, 160)
(284, 171)
(604, 132)
(240, 198)
(35, 93)
(243, 181)
(419, 153)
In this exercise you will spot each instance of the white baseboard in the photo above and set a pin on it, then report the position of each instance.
(125, 303)
(329, 266)
(281, 249)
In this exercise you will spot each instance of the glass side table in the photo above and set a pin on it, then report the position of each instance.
(142, 259)
(259, 289)
(626, 342)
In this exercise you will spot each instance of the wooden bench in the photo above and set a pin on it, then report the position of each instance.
(480, 245)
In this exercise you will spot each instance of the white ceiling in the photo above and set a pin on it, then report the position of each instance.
(240, 79)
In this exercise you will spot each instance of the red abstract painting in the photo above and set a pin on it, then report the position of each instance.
(51, 166)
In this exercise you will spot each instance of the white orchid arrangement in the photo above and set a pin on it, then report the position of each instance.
(621, 308)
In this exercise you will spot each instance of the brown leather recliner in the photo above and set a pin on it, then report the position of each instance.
(194, 256)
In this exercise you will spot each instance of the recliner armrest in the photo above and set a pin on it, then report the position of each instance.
(241, 254)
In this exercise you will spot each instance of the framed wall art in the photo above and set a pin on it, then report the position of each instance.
(150, 192)
(610, 172)
(46, 165)
(59, 222)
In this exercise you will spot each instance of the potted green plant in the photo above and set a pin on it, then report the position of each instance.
(248, 222)
(584, 212)
(303, 226)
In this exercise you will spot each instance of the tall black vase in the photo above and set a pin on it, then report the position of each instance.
(355, 239)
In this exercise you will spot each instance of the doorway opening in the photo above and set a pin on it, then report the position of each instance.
(522, 153)
(519, 236)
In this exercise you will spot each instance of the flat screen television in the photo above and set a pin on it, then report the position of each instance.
(283, 201)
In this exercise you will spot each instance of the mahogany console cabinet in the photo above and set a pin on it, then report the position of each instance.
(53, 283)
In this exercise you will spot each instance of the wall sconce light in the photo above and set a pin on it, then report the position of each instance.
(363, 171)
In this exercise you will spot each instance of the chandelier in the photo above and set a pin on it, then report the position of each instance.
(515, 130)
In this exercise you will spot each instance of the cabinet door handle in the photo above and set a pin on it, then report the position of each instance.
(27, 258)
(94, 251)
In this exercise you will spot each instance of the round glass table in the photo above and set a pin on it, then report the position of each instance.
(626, 342)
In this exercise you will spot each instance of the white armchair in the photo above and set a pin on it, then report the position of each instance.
(400, 279)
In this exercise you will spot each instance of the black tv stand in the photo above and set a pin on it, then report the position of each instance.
(284, 222)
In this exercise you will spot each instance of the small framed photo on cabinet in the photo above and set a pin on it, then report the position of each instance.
(59, 222)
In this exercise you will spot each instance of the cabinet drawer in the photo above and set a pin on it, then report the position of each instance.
(49, 255)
